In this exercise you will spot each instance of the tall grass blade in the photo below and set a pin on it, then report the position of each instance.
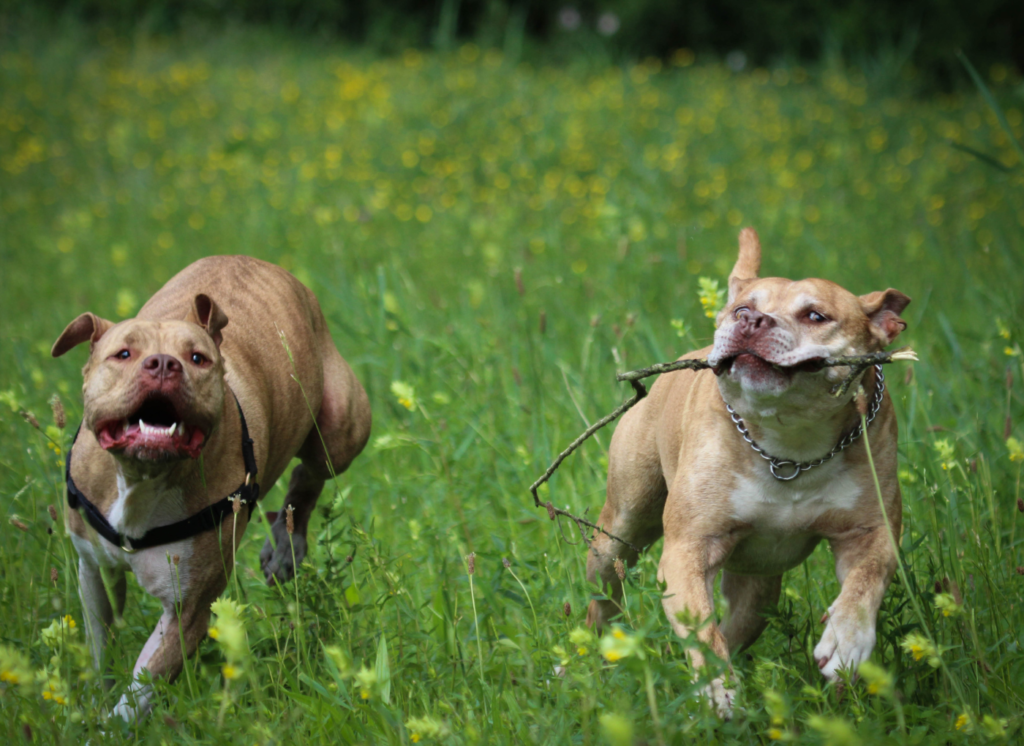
(993, 105)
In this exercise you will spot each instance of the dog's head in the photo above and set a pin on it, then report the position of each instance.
(153, 390)
(773, 333)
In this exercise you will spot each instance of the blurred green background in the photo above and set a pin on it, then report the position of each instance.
(916, 38)
(501, 226)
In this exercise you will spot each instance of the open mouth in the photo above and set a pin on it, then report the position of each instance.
(154, 431)
(756, 362)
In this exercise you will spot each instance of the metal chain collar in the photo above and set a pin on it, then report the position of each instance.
(780, 467)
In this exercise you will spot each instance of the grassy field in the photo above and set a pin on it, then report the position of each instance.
(491, 241)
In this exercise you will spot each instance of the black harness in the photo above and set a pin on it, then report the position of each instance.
(206, 519)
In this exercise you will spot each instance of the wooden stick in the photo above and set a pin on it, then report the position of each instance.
(859, 363)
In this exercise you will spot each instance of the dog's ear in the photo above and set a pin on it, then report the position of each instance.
(883, 309)
(748, 264)
(208, 315)
(86, 328)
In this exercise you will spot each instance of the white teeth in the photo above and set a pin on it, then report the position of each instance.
(173, 428)
(155, 430)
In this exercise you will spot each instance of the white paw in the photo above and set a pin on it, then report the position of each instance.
(845, 644)
(720, 697)
(135, 703)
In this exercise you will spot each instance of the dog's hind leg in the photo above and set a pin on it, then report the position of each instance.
(278, 560)
(342, 429)
(747, 596)
(632, 511)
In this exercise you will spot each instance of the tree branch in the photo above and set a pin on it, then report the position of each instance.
(858, 362)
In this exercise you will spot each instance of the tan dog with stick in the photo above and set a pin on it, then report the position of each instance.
(182, 410)
(746, 468)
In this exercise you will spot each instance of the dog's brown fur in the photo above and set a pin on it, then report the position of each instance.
(679, 468)
(238, 314)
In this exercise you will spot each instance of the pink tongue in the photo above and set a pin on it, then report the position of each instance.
(106, 439)
(191, 445)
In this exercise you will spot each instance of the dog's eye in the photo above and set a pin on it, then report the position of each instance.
(816, 317)
(198, 358)
(123, 354)
(740, 312)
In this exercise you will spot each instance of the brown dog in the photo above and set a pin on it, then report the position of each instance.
(679, 465)
(163, 442)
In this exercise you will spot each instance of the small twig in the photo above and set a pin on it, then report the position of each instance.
(553, 512)
(636, 375)
(859, 363)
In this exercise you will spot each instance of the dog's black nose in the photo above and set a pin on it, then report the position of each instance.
(752, 322)
(162, 366)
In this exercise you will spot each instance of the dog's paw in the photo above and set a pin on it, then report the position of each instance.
(279, 563)
(135, 703)
(721, 698)
(846, 643)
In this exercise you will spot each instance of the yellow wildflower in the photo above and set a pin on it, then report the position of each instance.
(405, 394)
(947, 453)
(581, 638)
(920, 647)
(993, 728)
(945, 603)
(619, 645)
(229, 632)
(53, 439)
(964, 723)
(835, 730)
(776, 706)
(878, 680)
(366, 680)
(711, 298)
(1004, 330)
(14, 667)
(340, 660)
(54, 689)
(426, 727)
(1015, 448)
(617, 729)
(563, 657)
(59, 632)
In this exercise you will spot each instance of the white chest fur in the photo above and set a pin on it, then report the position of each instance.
(139, 507)
(145, 504)
(766, 503)
(780, 515)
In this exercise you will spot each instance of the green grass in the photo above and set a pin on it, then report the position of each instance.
(408, 193)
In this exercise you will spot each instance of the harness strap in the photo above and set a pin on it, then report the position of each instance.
(206, 519)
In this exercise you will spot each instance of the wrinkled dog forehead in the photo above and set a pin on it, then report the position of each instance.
(793, 297)
(151, 337)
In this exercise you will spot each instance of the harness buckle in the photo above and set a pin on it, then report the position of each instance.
(126, 546)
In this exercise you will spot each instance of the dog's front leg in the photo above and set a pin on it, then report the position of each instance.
(96, 600)
(162, 654)
(688, 568)
(98, 612)
(865, 563)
